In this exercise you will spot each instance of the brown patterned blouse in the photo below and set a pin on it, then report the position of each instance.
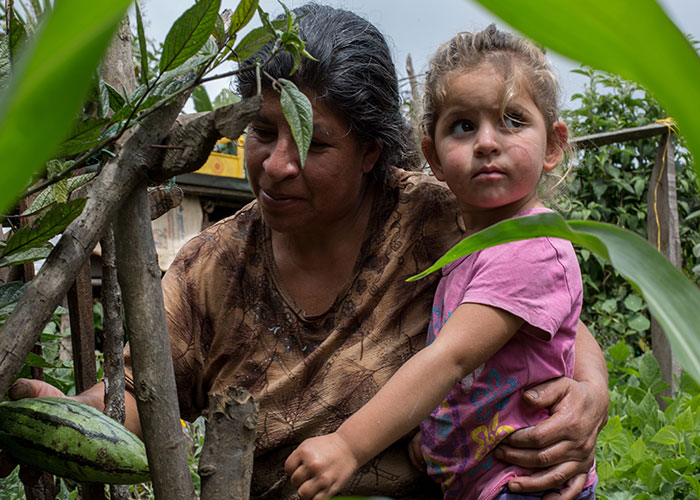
(232, 321)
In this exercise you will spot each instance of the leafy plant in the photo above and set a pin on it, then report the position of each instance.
(645, 452)
(610, 184)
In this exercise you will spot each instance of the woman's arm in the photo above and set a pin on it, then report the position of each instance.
(320, 466)
(564, 444)
(94, 396)
(29, 388)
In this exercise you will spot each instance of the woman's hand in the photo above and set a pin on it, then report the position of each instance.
(415, 455)
(321, 466)
(563, 444)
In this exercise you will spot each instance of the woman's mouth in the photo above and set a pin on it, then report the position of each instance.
(276, 200)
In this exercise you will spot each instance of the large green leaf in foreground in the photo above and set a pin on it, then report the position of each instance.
(633, 38)
(672, 298)
(48, 85)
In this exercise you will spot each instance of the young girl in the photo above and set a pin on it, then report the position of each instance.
(504, 318)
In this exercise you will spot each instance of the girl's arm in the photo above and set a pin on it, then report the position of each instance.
(320, 466)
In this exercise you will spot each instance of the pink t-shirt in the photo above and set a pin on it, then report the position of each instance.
(539, 281)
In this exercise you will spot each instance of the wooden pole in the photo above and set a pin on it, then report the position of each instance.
(663, 234)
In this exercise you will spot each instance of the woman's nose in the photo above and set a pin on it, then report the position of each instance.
(486, 141)
(283, 161)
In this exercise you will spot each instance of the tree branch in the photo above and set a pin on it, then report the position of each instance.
(136, 159)
(154, 377)
(226, 462)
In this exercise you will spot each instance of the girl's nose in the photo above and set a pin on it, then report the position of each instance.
(283, 161)
(486, 141)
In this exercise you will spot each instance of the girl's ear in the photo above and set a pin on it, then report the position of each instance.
(428, 147)
(556, 143)
(371, 155)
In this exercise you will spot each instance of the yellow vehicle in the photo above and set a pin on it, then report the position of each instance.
(226, 160)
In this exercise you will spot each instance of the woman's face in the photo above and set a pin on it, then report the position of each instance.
(331, 185)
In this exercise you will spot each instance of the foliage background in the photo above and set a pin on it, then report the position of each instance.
(604, 191)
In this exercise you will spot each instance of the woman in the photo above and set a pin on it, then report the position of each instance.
(301, 296)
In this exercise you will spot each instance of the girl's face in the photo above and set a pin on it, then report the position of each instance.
(328, 188)
(490, 159)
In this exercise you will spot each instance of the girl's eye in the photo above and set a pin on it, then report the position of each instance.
(513, 120)
(462, 126)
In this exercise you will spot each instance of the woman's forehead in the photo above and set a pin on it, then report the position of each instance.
(327, 120)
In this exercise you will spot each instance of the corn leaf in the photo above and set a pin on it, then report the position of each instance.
(672, 298)
(49, 81)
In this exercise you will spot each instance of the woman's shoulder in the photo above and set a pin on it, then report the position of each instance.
(421, 193)
(223, 238)
(425, 209)
(417, 184)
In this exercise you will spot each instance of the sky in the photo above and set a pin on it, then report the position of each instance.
(413, 27)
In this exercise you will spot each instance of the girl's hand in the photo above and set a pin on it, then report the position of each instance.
(563, 444)
(321, 466)
(414, 453)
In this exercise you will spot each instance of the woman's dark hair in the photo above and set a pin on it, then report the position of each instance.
(354, 74)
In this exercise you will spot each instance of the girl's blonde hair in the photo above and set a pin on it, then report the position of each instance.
(523, 66)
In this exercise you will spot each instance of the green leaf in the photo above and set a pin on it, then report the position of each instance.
(86, 134)
(33, 359)
(693, 482)
(648, 409)
(609, 306)
(18, 34)
(225, 98)
(50, 79)
(255, 40)
(299, 114)
(143, 48)
(633, 39)
(638, 451)
(10, 293)
(47, 196)
(26, 256)
(116, 100)
(650, 373)
(639, 323)
(613, 434)
(668, 435)
(244, 13)
(619, 352)
(189, 33)
(685, 420)
(5, 62)
(634, 302)
(52, 223)
(201, 100)
(648, 473)
(672, 298)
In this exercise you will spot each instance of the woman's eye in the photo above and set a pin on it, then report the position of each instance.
(462, 126)
(514, 121)
(262, 134)
(317, 145)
